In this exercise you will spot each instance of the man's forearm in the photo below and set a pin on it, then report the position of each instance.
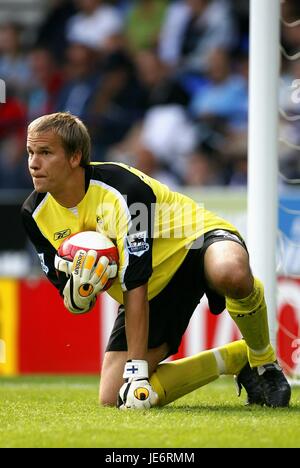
(137, 322)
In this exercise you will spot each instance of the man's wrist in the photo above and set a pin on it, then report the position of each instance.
(136, 369)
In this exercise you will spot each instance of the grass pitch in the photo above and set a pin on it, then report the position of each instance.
(64, 412)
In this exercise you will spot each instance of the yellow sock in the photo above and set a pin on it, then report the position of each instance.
(250, 315)
(172, 380)
(234, 356)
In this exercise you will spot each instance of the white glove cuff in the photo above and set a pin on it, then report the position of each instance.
(136, 369)
(62, 265)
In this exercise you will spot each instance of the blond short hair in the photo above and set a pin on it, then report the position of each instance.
(72, 131)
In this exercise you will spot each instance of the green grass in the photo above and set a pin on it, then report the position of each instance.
(63, 412)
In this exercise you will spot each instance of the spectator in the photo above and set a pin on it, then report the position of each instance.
(12, 149)
(159, 145)
(48, 82)
(133, 151)
(225, 96)
(192, 29)
(118, 104)
(291, 36)
(52, 32)
(234, 159)
(239, 172)
(203, 168)
(81, 82)
(162, 86)
(14, 68)
(144, 23)
(122, 5)
(95, 24)
(170, 136)
(240, 11)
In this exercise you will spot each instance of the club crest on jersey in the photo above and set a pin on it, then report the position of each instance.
(62, 234)
(136, 243)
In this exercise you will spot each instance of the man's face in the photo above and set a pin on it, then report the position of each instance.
(48, 163)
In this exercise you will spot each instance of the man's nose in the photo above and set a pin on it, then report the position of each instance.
(34, 161)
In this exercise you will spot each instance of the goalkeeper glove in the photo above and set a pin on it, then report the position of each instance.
(86, 279)
(136, 392)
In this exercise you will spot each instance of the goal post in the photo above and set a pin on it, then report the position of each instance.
(262, 197)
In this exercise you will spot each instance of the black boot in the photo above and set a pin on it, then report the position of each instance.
(248, 378)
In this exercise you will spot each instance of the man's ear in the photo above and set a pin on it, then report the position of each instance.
(75, 159)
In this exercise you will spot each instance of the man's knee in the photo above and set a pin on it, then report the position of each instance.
(234, 278)
(108, 393)
(228, 271)
(107, 400)
(111, 377)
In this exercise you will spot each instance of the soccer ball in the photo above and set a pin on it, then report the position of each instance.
(90, 240)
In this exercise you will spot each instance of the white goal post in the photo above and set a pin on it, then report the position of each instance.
(262, 221)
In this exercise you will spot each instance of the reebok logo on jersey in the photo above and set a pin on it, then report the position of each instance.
(136, 243)
(62, 234)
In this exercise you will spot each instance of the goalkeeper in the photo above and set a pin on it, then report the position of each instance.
(171, 252)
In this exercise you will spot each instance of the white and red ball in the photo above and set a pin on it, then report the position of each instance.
(89, 240)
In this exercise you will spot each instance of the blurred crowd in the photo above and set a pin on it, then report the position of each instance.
(161, 85)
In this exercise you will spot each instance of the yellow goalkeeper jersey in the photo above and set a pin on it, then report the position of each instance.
(152, 226)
